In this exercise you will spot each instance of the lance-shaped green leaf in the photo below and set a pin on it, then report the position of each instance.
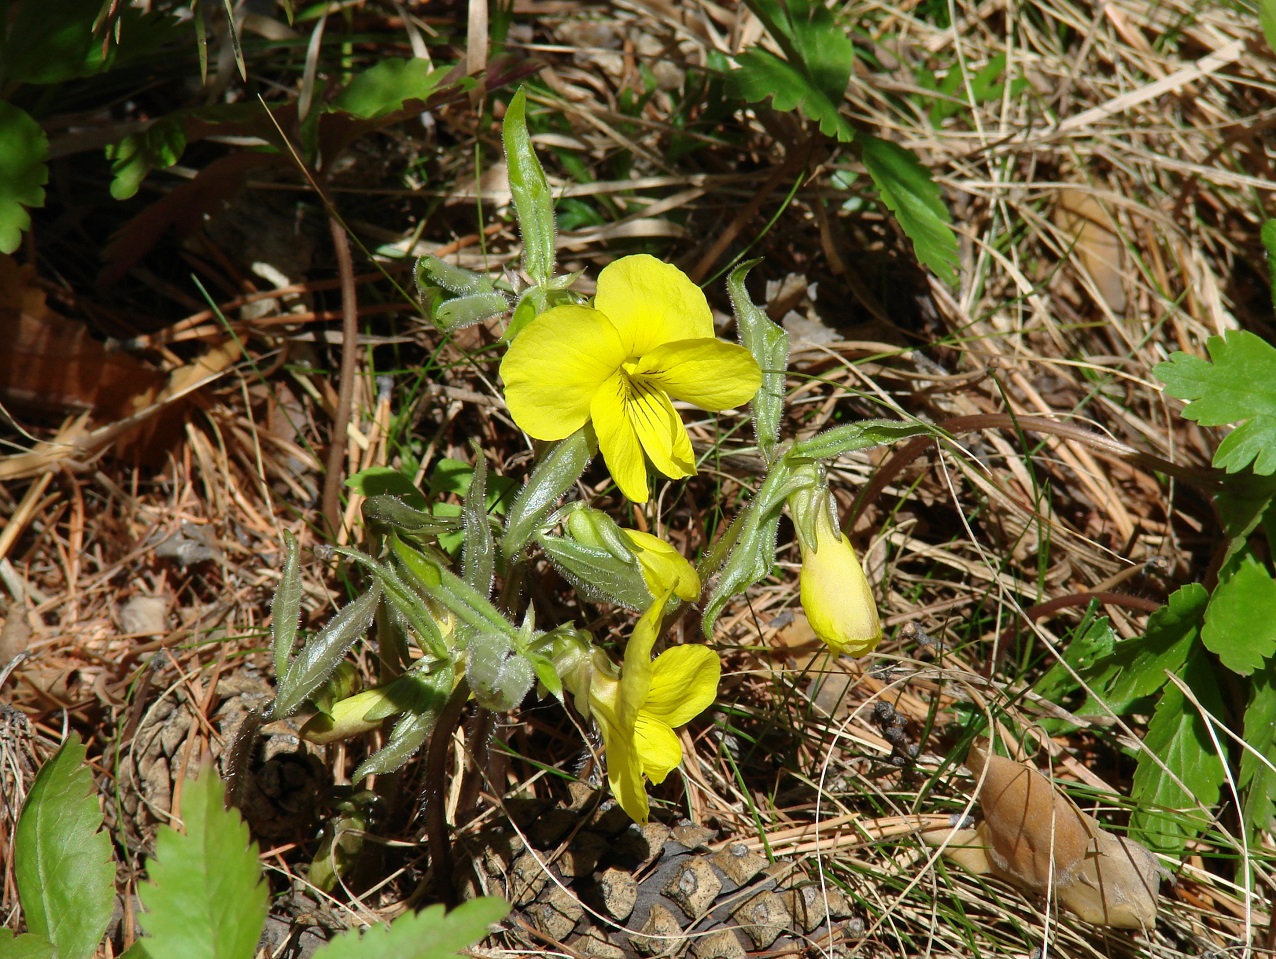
(558, 468)
(62, 858)
(320, 656)
(478, 556)
(405, 593)
(533, 202)
(913, 197)
(428, 934)
(420, 695)
(855, 436)
(463, 311)
(385, 514)
(431, 272)
(26, 946)
(285, 607)
(205, 898)
(769, 345)
(451, 592)
(598, 573)
(749, 542)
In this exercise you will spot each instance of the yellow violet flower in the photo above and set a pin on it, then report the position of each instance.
(647, 340)
(638, 712)
(664, 569)
(835, 593)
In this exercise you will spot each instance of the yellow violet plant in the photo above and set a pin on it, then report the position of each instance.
(647, 340)
(460, 631)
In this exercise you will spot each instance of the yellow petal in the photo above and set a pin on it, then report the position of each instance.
(635, 675)
(660, 431)
(711, 374)
(658, 749)
(555, 366)
(684, 683)
(624, 771)
(663, 567)
(836, 596)
(616, 437)
(651, 302)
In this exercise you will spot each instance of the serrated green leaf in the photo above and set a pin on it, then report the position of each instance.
(1239, 626)
(769, 345)
(1257, 779)
(1166, 816)
(762, 74)
(429, 934)
(1238, 386)
(26, 946)
(156, 148)
(321, 653)
(62, 858)
(285, 606)
(205, 897)
(863, 435)
(913, 197)
(24, 148)
(533, 202)
(1138, 666)
(1083, 652)
(1242, 505)
(388, 86)
(817, 64)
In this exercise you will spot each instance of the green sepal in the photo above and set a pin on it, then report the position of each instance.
(598, 573)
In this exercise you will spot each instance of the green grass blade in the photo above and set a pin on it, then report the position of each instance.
(205, 898)
(62, 859)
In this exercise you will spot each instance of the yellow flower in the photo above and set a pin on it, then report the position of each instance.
(664, 569)
(835, 593)
(637, 713)
(647, 340)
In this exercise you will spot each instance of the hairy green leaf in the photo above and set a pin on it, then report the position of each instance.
(478, 555)
(1238, 386)
(863, 435)
(913, 197)
(388, 86)
(285, 606)
(559, 466)
(769, 345)
(1239, 625)
(450, 591)
(320, 654)
(62, 858)
(429, 934)
(533, 202)
(23, 172)
(205, 898)
(1167, 816)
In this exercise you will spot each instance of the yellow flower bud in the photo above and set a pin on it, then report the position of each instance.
(835, 593)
